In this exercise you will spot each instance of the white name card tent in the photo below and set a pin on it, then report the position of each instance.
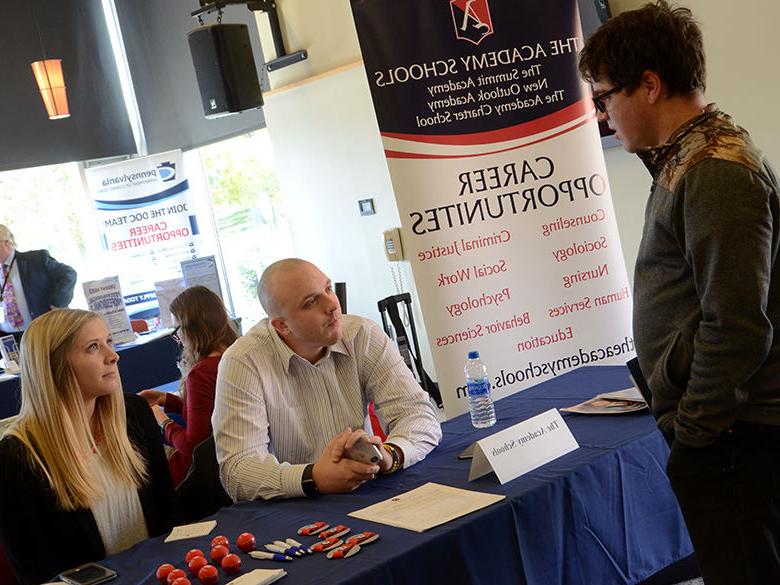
(523, 447)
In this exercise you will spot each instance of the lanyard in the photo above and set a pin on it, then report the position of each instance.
(11, 267)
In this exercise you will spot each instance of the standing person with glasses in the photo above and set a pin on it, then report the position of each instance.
(706, 287)
(600, 99)
(204, 330)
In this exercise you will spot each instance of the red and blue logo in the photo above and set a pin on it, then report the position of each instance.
(471, 20)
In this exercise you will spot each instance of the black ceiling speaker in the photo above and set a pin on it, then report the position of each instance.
(225, 68)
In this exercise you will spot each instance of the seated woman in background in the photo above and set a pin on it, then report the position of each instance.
(204, 330)
(83, 469)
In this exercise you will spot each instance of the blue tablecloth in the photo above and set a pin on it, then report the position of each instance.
(145, 363)
(603, 514)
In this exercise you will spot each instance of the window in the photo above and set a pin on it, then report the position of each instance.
(253, 228)
(46, 208)
(50, 207)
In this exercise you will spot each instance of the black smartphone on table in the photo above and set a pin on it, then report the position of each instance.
(88, 574)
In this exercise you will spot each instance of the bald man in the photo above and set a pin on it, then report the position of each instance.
(32, 283)
(292, 395)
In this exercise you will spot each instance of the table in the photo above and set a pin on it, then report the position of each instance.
(147, 362)
(603, 514)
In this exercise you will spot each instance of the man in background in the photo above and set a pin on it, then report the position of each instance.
(706, 287)
(33, 282)
(292, 395)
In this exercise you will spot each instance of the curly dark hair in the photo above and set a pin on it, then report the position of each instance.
(656, 37)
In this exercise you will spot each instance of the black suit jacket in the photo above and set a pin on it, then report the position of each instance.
(30, 517)
(46, 282)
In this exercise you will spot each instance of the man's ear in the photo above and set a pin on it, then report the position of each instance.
(653, 86)
(280, 325)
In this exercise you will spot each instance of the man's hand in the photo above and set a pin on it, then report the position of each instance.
(333, 473)
(153, 397)
(360, 435)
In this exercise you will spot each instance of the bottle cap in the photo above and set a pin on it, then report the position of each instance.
(473, 355)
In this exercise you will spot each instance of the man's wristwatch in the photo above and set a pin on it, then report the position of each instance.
(307, 482)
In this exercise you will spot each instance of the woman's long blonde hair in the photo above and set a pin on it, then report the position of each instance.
(53, 422)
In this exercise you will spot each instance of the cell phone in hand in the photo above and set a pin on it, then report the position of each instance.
(364, 452)
(88, 574)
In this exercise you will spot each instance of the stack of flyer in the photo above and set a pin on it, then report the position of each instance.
(619, 402)
(10, 353)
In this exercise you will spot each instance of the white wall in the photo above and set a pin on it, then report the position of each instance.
(327, 147)
(323, 27)
(329, 156)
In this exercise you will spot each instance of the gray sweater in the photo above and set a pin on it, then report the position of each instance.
(707, 282)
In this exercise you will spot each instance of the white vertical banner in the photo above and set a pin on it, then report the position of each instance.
(147, 222)
(496, 163)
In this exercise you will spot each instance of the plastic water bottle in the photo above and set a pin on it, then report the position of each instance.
(478, 388)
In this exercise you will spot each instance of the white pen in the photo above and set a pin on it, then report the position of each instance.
(285, 550)
(261, 554)
(293, 542)
(296, 550)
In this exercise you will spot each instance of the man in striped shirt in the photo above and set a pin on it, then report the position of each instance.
(292, 395)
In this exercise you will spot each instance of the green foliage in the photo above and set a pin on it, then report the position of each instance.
(248, 208)
(249, 279)
(238, 175)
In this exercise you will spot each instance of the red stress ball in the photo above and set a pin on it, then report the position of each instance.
(181, 581)
(231, 564)
(163, 571)
(192, 553)
(218, 553)
(220, 540)
(176, 574)
(196, 564)
(246, 542)
(208, 575)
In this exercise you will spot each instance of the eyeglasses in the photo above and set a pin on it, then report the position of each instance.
(598, 99)
(175, 334)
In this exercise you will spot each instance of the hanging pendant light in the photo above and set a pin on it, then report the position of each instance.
(51, 83)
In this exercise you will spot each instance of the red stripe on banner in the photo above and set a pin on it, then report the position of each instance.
(398, 154)
(542, 124)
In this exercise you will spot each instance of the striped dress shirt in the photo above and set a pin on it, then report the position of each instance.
(275, 411)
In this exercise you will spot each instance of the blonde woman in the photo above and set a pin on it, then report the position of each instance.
(204, 330)
(83, 470)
